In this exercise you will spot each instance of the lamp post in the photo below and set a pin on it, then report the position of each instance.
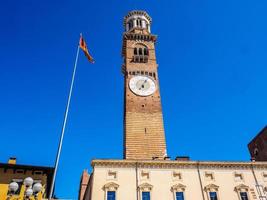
(31, 189)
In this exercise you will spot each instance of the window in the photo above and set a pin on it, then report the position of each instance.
(138, 22)
(19, 171)
(179, 196)
(243, 196)
(213, 196)
(130, 24)
(212, 191)
(178, 191)
(111, 195)
(110, 190)
(140, 51)
(256, 152)
(242, 191)
(135, 51)
(145, 195)
(145, 51)
(144, 190)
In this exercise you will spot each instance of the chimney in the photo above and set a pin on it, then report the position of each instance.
(182, 158)
(167, 158)
(12, 160)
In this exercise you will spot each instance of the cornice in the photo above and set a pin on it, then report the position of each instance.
(137, 37)
(178, 164)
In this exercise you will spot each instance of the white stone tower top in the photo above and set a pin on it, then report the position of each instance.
(137, 19)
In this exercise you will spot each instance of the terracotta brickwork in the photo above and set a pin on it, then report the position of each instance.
(258, 146)
(83, 184)
(144, 136)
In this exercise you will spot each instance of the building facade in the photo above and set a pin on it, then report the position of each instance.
(146, 172)
(258, 146)
(20, 182)
(177, 180)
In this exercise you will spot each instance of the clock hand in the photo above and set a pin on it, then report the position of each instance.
(142, 86)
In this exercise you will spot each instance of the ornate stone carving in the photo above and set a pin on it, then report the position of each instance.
(242, 188)
(178, 188)
(111, 186)
(211, 188)
(146, 187)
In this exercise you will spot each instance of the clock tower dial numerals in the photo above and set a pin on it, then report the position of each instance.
(142, 85)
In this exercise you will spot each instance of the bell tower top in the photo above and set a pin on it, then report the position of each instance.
(137, 19)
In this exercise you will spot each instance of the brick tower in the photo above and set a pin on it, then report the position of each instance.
(144, 136)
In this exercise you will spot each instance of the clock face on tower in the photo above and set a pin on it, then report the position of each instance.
(142, 85)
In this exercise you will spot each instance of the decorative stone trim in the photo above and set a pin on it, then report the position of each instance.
(145, 187)
(177, 176)
(242, 188)
(178, 188)
(111, 186)
(145, 175)
(170, 164)
(211, 188)
(209, 176)
(239, 177)
(140, 37)
(112, 175)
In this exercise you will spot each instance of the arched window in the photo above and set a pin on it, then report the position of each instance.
(145, 51)
(130, 24)
(139, 23)
(135, 51)
(140, 51)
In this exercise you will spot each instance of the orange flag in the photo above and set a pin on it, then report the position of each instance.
(83, 46)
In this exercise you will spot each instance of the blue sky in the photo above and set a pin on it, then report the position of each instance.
(212, 68)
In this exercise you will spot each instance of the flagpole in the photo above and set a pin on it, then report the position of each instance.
(64, 126)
